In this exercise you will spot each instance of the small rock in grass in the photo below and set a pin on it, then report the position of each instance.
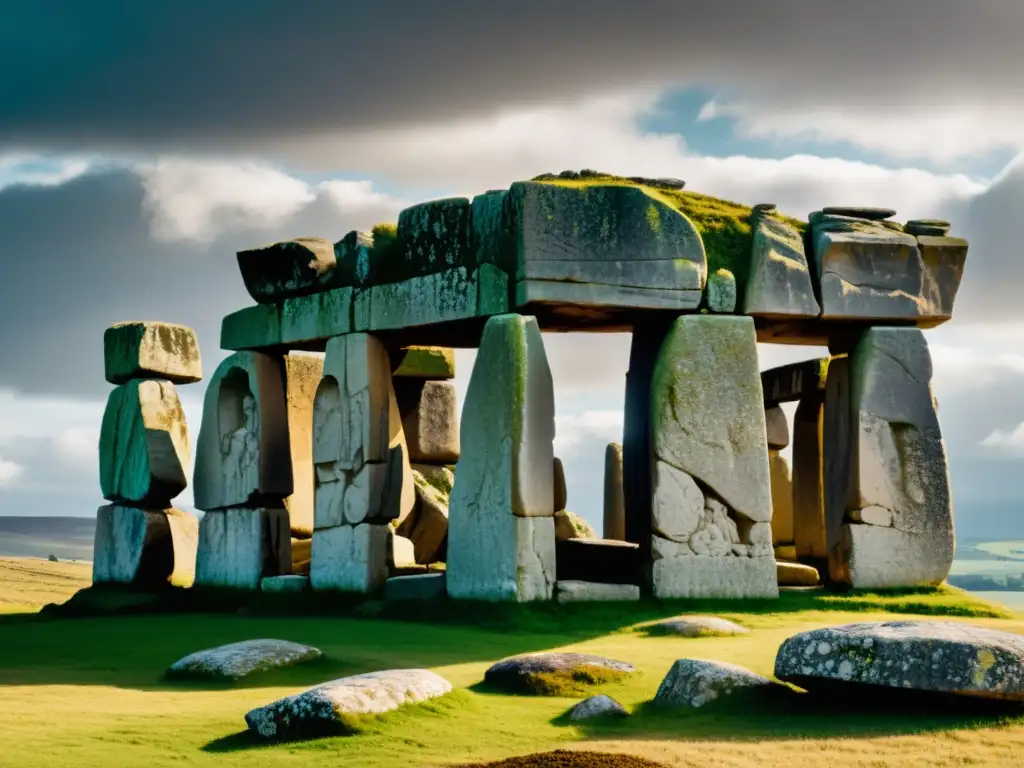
(696, 682)
(597, 706)
(237, 660)
(698, 626)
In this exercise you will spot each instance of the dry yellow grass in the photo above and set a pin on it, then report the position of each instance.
(28, 583)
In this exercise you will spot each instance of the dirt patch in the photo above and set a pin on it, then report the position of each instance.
(564, 758)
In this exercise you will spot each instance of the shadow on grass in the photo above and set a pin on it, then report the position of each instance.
(780, 713)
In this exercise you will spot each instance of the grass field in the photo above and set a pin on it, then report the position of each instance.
(89, 692)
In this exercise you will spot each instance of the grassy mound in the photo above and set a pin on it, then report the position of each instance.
(563, 758)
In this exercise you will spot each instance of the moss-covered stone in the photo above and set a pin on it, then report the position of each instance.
(426, 363)
(139, 350)
(289, 268)
(721, 292)
(434, 237)
(780, 283)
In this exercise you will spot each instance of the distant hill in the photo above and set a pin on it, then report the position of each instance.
(68, 538)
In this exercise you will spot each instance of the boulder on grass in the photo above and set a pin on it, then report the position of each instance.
(554, 674)
(697, 626)
(597, 706)
(237, 660)
(696, 682)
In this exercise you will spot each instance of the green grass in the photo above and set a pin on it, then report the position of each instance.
(88, 692)
(723, 225)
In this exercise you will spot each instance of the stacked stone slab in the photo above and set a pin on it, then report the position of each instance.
(896, 529)
(711, 510)
(501, 533)
(253, 468)
(363, 474)
(144, 454)
(429, 409)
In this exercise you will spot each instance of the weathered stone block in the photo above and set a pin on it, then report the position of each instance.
(590, 591)
(401, 552)
(425, 363)
(782, 498)
(898, 462)
(779, 284)
(433, 237)
(358, 496)
(293, 321)
(420, 586)
(796, 575)
(569, 525)
(707, 412)
(144, 447)
(301, 555)
(142, 350)
(290, 268)
(432, 425)
(350, 558)
(721, 292)
(703, 576)
(869, 271)
(284, 584)
(427, 526)
(302, 374)
(777, 427)
(144, 548)
(592, 296)
(238, 547)
(243, 455)
(808, 481)
(614, 499)
(561, 492)
(792, 382)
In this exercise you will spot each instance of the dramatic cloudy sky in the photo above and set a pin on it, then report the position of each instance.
(142, 144)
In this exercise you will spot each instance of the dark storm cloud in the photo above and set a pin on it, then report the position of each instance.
(121, 74)
(79, 257)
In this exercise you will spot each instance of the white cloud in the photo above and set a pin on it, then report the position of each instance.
(1006, 441)
(78, 445)
(597, 427)
(39, 171)
(906, 130)
(197, 200)
(9, 472)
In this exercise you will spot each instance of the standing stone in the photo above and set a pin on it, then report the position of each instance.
(614, 499)
(359, 446)
(779, 284)
(898, 462)
(782, 498)
(141, 350)
(350, 558)
(290, 268)
(143, 444)
(500, 527)
(238, 547)
(711, 502)
(302, 375)
(243, 454)
(808, 483)
(560, 490)
(836, 454)
(144, 548)
(777, 427)
(432, 425)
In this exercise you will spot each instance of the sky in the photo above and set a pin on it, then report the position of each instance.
(143, 144)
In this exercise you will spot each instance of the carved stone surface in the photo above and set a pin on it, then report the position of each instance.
(238, 547)
(141, 350)
(243, 455)
(350, 558)
(144, 548)
(690, 575)
(144, 447)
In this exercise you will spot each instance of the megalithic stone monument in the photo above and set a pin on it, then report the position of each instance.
(144, 455)
(501, 531)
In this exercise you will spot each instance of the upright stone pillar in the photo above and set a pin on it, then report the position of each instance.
(243, 473)
(808, 482)
(363, 476)
(614, 499)
(144, 452)
(711, 512)
(501, 533)
(897, 530)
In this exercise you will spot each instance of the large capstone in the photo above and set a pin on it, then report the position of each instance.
(617, 239)
(144, 548)
(238, 660)
(501, 539)
(779, 284)
(290, 268)
(243, 455)
(932, 656)
(144, 446)
(869, 271)
(238, 547)
(432, 237)
(141, 350)
(323, 709)
(553, 673)
(695, 682)
(898, 529)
